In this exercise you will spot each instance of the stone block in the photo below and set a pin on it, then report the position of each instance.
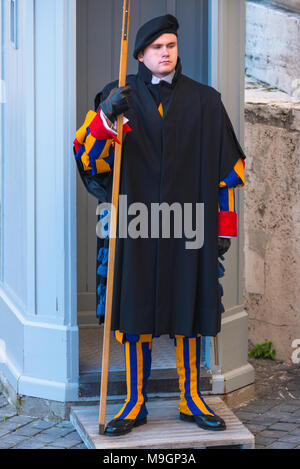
(273, 46)
(290, 4)
(272, 217)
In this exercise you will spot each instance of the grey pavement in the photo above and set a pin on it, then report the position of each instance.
(273, 416)
(21, 432)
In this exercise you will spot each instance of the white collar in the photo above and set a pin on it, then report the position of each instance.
(168, 78)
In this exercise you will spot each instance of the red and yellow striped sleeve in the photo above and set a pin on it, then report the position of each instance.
(227, 208)
(94, 144)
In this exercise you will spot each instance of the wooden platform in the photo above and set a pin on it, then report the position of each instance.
(164, 429)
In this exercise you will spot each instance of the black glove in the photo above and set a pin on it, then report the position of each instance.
(116, 103)
(223, 246)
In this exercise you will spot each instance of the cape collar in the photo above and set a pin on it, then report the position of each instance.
(146, 75)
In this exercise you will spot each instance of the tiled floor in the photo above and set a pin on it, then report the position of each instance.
(90, 351)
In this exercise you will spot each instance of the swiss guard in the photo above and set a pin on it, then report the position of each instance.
(179, 148)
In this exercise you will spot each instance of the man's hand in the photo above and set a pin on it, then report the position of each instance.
(116, 103)
(223, 246)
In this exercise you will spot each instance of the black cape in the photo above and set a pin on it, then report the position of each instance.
(160, 287)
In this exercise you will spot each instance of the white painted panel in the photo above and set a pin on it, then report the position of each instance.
(39, 232)
(45, 27)
(55, 191)
(29, 83)
(2, 108)
(13, 161)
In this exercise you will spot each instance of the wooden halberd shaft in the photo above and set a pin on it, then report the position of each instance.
(113, 225)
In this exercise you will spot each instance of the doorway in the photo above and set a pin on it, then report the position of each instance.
(98, 48)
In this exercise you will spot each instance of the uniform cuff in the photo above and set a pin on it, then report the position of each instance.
(98, 130)
(227, 224)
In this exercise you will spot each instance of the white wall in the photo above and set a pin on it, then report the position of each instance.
(38, 323)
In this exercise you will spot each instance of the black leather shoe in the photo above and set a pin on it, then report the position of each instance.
(207, 422)
(122, 426)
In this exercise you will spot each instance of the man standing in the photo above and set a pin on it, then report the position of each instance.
(179, 148)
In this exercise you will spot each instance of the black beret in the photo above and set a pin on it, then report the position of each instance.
(152, 30)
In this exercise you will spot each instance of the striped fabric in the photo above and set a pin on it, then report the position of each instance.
(226, 206)
(226, 199)
(94, 144)
(236, 177)
(188, 355)
(138, 367)
(123, 337)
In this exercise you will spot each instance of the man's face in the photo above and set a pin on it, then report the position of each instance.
(161, 55)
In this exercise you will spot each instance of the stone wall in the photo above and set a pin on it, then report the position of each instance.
(273, 46)
(272, 217)
(291, 4)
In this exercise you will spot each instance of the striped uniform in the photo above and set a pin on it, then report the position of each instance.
(138, 367)
(94, 145)
(188, 353)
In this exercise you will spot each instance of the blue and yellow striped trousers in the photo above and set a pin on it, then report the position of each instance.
(188, 354)
(138, 367)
